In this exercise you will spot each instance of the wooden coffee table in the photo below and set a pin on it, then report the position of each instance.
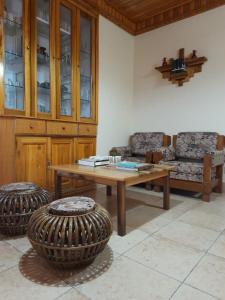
(112, 177)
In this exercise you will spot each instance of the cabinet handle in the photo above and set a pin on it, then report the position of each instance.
(31, 127)
(63, 128)
(28, 47)
(48, 164)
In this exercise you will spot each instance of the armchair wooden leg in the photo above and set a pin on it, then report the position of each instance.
(148, 186)
(207, 180)
(157, 188)
(206, 197)
(219, 176)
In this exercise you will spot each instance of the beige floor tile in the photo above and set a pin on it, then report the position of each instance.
(219, 247)
(121, 244)
(176, 212)
(155, 224)
(129, 280)
(21, 244)
(73, 295)
(15, 286)
(201, 218)
(215, 207)
(186, 292)
(166, 256)
(9, 256)
(189, 235)
(209, 276)
(138, 216)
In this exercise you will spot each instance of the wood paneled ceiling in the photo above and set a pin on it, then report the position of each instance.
(139, 16)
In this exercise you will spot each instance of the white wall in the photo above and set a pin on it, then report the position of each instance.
(116, 62)
(200, 103)
(134, 97)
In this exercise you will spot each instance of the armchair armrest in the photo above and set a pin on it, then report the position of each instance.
(121, 151)
(164, 153)
(217, 157)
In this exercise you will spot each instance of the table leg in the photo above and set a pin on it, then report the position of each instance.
(108, 190)
(121, 208)
(58, 185)
(166, 192)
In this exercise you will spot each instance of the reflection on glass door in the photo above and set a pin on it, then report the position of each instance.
(13, 54)
(43, 55)
(85, 67)
(65, 61)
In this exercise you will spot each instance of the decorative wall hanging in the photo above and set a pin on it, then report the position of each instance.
(180, 70)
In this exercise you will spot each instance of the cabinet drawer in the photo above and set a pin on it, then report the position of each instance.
(86, 129)
(29, 126)
(60, 128)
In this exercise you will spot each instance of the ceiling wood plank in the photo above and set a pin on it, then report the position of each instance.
(139, 16)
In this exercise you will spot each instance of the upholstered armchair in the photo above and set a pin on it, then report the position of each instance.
(198, 159)
(141, 146)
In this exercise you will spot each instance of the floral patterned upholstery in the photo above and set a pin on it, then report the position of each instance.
(168, 153)
(194, 145)
(190, 177)
(184, 170)
(218, 157)
(140, 144)
(121, 151)
(187, 158)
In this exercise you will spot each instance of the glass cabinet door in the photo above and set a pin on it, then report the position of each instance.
(65, 53)
(41, 52)
(13, 55)
(87, 61)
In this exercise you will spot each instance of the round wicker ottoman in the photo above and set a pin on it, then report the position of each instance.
(70, 231)
(18, 201)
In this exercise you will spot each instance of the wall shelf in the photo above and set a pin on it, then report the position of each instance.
(185, 70)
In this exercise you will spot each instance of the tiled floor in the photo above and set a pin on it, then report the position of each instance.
(178, 255)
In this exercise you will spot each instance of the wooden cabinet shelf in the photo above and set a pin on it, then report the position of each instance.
(49, 57)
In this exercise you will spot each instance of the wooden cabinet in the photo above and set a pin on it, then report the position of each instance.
(32, 127)
(48, 87)
(34, 156)
(85, 147)
(14, 57)
(61, 128)
(32, 160)
(48, 52)
(61, 152)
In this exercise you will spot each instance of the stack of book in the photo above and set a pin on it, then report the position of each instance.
(94, 161)
(134, 166)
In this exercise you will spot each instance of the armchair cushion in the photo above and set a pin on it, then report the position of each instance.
(185, 167)
(194, 145)
(184, 170)
(121, 151)
(168, 153)
(190, 177)
(143, 142)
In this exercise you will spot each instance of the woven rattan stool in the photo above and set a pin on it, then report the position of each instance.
(18, 201)
(70, 231)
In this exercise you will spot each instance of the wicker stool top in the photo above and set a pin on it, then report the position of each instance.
(18, 187)
(72, 206)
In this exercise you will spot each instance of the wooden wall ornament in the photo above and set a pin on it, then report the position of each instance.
(182, 69)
